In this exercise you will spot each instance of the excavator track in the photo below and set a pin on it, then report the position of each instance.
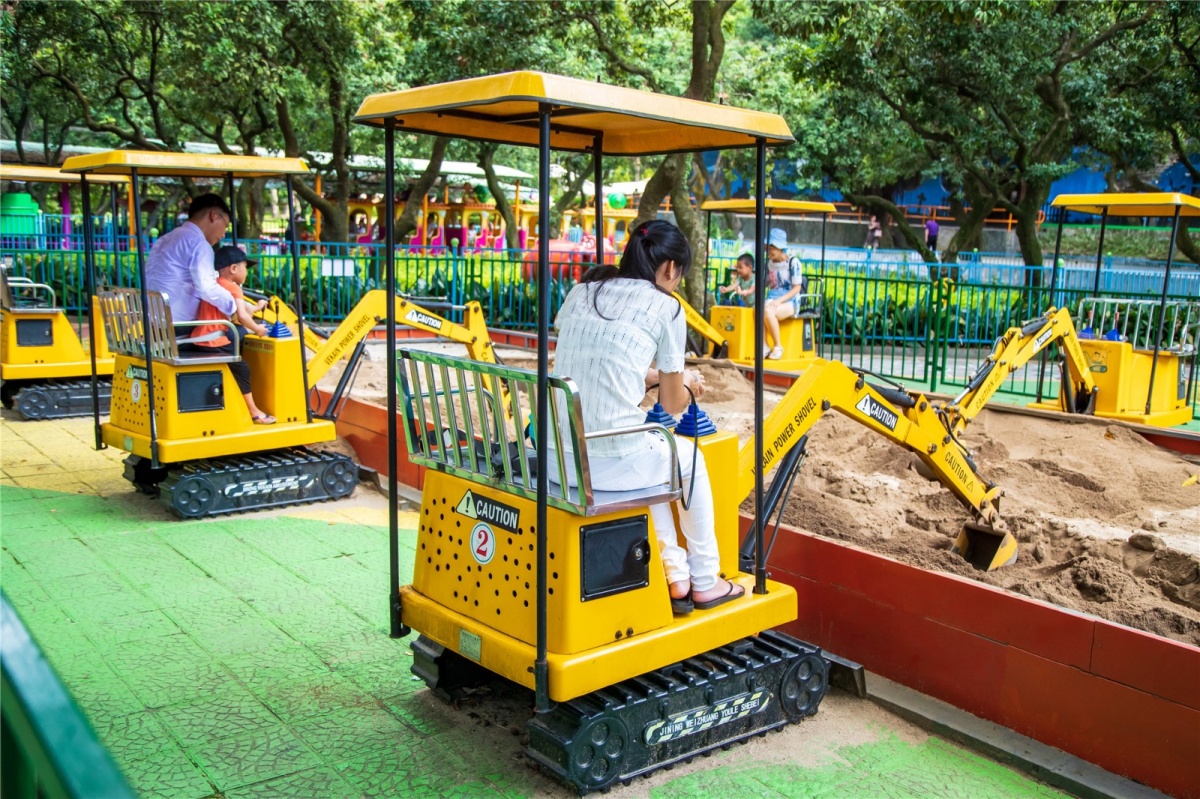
(241, 483)
(55, 399)
(664, 717)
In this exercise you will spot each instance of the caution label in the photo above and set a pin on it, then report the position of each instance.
(482, 509)
(425, 319)
(869, 407)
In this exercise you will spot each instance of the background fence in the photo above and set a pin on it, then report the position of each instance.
(884, 314)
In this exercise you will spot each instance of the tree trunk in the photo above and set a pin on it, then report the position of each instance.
(689, 221)
(407, 222)
(511, 238)
(1027, 225)
(570, 192)
(887, 210)
(250, 208)
(969, 228)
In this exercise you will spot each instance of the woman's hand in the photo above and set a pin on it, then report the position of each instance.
(770, 306)
(693, 379)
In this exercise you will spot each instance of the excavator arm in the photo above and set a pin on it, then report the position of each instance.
(720, 346)
(1017, 347)
(906, 418)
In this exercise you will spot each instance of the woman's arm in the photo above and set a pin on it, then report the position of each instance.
(673, 395)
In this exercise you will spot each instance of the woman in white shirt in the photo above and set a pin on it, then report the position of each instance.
(611, 329)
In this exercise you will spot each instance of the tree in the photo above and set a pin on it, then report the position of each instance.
(998, 94)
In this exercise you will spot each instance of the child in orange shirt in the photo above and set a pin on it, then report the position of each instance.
(231, 264)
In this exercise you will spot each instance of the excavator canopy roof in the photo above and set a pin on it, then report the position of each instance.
(123, 162)
(778, 207)
(1134, 204)
(51, 174)
(504, 108)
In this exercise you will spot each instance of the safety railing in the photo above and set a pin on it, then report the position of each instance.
(1139, 322)
(48, 747)
(458, 421)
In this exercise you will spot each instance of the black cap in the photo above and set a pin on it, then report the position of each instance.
(206, 201)
(229, 255)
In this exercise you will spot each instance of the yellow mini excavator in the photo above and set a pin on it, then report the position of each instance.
(43, 365)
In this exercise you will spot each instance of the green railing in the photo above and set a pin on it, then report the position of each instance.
(47, 747)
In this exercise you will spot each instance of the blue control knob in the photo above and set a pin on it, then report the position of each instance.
(659, 416)
(695, 423)
(278, 330)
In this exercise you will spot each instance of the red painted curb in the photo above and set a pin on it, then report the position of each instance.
(1125, 700)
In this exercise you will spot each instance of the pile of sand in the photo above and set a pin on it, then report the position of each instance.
(1105, 525)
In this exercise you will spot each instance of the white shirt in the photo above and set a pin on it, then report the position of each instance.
(181, 264)
(608, 358)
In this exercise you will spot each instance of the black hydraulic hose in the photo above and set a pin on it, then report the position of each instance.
(789, 466)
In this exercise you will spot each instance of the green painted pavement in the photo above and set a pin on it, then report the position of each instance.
(888, 768)
(249, 657)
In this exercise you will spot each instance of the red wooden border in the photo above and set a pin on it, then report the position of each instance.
(1125, 700)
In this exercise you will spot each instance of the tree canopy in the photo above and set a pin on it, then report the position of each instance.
(998, 98)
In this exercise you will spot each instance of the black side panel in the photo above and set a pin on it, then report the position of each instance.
(200, 391)
(616, 556)
(34, 333)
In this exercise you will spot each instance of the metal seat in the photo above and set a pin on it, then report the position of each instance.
(33, 297)
(123, 317)
(477, 439)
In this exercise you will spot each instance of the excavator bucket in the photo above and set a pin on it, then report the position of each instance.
(985, 547)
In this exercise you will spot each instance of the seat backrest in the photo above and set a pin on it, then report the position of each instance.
(123, 319)
(33, 296)
(457, 422)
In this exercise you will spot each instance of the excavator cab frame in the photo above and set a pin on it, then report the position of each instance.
(43, 358)
(179, 414)
(667, 725)
(1149, 379)
(802, 333)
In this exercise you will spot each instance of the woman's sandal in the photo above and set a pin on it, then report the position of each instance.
(721, 600)
(681, 606)
(263, 418)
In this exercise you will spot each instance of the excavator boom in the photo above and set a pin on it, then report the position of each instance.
(720, 347)
(1017, 347)
(906, 418)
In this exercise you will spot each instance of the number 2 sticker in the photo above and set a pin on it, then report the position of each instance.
(483, 543)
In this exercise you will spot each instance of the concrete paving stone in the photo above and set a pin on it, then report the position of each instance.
(98, 608)
(311, 697)
(50, 561)
(286, 545)
(101, 525)
(353, 539)
(231, 711)
(104, 699)
(181, 686)
(51, 530)
(254, 757)
(249, 636)
(23, 587)
(117, 629)
(84, 586)
(274, 582)
(313, 783)
(233, 562)
(315, 624)
(127, 737)
(360, 646)
(61, 633)
(166, 772)
(422, 711)
(28, 516)
(342, 569)
(384, 678)
(48, 486)
(343, 734)
(263, 672)
(217, 614)
(32, 464)
(184, 586)
(423, 769)
(139, 547)
(168, 653)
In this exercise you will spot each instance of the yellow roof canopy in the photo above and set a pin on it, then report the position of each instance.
(504, 108)
(123, 162)
(1133, 204)
(29, 173)
(777, 207)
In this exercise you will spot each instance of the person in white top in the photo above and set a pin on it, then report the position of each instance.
(611, 328)
(181, 262)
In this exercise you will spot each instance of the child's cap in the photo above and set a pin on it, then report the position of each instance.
(230, 255)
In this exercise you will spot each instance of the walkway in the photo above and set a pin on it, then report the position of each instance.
(248, 657)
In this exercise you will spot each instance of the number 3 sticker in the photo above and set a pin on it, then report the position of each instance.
(483, 543)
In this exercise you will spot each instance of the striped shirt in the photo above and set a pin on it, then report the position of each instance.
(608, 358)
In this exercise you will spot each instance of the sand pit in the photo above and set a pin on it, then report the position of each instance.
(1105, 525)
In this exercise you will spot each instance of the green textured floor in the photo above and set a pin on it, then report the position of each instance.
(248, 657)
